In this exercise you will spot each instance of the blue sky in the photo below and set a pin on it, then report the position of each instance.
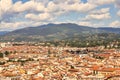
(16, 14)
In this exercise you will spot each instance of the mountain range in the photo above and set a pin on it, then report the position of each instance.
(50, 32)
(110, 29)
(3, 32)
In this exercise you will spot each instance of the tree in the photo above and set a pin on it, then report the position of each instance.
(71, 66)
(6, 53)
(2, 63)
(49, 52)
(1, 55)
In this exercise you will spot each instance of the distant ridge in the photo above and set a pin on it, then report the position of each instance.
(3, 32)
(110, 29)
(51, 31)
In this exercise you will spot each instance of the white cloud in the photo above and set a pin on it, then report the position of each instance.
(69, 5)
(117, 3)
(37, 12)
(98, 14)
(32, 16)
(40, 17)
(91, 24)
(85, 23)
(12, 25)
(5, 5)
(5, 8)
(118, 13)
(66, 1)
(40, 7)
(18, 25)
(44, 16)
(115, 24)
(30, 5)
(101, 11)
(80, 7)
(101, 2)
(52, 7)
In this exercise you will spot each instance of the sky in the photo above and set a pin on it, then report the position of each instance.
(16, 14)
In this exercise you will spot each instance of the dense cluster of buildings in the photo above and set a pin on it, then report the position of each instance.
(58, 63)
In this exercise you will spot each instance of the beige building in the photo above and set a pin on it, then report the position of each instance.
(5, 44)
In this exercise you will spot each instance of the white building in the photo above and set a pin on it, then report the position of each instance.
(5, 44)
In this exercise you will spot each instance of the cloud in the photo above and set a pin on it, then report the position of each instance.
(101, 11)
(81, 7)
(28, 6)
(18, 25)
(101, 2)
(85, 23)
(32, 17)
(118, 13)
(40, 17)
(19, 7)
(98, 14)
(115, 24)
(66, 1)
(52, 7)
(69, 5)
(44, 16)
(117, 3)
(37, 12)
(5, 8)
(3, 5)
(88, 23)
(37, 6)
(12, 25)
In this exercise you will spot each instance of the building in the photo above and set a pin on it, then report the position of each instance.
(5, 44)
